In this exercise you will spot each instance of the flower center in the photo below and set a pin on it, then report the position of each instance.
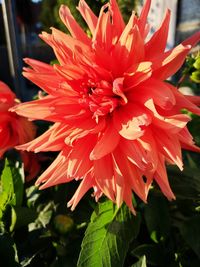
(102, 97)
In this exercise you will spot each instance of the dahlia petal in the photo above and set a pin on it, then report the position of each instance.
(103, 31)
(88, 15)
(85, 127)
(84, 186)
(7, 97)
(137, 74)
(171, 63)
(194, 99)
(51, 140)
(38, 66)
(156, 90)
(184, 101)
(128, 199)
(169, 146)
(129, 119)
(174, 58)
(186, 140)
(47, 108)
(134, 152)
(106, 143)
(79, 162)
(56, 173)
(104, 176)
(159, 37)
(143, 17)
(192, 40)
(62, 49)
(129, 50)
(162, 180)
(117, 19)
(119, 184)
(130, 174)
(73, 27)
(147, 142)
(173, 123)
(55, 84)
(70, 72)
(67, 49)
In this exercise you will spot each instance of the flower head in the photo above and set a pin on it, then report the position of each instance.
(116, 121)
(14, 129)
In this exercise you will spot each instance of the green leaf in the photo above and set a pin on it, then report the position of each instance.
(190, 230)
(12, 182)
(197, 63)
(157, 218)
(140, 263)
(4, 199)
(108, 236)
(8, 255)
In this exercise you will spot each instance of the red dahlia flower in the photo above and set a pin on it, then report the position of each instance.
(116, 120)
(14, 129)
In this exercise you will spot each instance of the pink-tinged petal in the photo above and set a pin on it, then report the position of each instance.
(172, 123)
(7, 97)
(38, 66)
(107, 142)
(142, 23)
(88, 15)
(73, 27)
(56, 173)
(67, 49)
(154, 89)
(119, 185)
(70, 72)
(104, 176)
(130, 120)
(186, 140)
(129, 50)
(192, 40)
(194, 99)
(148, 143)
(55, 85)
(128, 199)
(171, 63)
(84, 186)
(131, 174)
(118, 90)
(103, 31)
(117, 19)
(162, 180)
(158, 39)
(60, 44)
(83, 128)
(51, 140)
(172, 60)
(47, 108)
(79, 161)
(169, 146)
(135, 153)
(25, 130)
(184, 101)
(137, 74)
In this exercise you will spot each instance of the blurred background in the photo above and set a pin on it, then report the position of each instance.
(22, 20)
